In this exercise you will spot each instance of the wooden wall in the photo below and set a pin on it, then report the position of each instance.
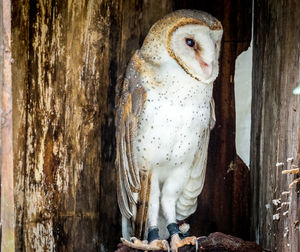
(275, 124)
(7, 223)
(68, 56)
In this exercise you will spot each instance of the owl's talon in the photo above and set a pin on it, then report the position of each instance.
(177, 243)
(154, 245)
(133, 239)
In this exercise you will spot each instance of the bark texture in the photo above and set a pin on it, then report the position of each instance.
(275, 125)
(68, 58)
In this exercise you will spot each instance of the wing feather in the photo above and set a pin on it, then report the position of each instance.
(187, 202)
(129, 105)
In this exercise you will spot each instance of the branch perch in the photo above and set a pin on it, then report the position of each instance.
(214, 242)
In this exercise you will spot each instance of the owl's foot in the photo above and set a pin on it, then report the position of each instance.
(143, 245)
(177, 243)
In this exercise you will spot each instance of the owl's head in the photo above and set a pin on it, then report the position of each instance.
(195, 46)
(191, 38)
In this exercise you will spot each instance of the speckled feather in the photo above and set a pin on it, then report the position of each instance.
(164, 115)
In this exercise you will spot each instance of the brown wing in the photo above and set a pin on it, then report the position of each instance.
(129, 104)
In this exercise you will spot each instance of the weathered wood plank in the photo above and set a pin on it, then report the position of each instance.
(20, 50)
(276, 121)
(6, 125)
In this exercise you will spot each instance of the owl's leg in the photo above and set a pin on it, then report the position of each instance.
(126, 228)
(171, 190)
(170, 193)
(153, 212)
(154, 243)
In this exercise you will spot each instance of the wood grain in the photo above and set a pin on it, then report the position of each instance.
(275, 124)
(6, 125)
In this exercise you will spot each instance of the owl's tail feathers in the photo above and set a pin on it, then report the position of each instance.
(126, 228)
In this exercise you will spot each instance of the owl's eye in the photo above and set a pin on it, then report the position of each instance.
(190, 42)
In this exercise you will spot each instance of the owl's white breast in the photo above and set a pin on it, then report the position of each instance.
(176, 111)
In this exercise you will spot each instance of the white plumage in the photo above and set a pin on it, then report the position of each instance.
(164, 115)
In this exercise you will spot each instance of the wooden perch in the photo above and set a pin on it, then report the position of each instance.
(214, 242)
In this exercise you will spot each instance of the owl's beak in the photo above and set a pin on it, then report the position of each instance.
(206, 68)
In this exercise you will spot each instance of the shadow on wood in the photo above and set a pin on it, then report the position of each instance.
(214, 242)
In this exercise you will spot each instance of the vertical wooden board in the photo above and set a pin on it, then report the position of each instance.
(6, 155)
(1, 58)
(68, 83)
(20, 46)
(1, 84)
(275, 127)
(88, 52)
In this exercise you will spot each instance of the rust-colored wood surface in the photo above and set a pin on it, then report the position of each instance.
(275, 124)
(69, 56)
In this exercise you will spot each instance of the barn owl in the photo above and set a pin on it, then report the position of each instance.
(164, 114)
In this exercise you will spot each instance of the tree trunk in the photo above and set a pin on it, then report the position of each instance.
(275, 124)
(68, 57)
